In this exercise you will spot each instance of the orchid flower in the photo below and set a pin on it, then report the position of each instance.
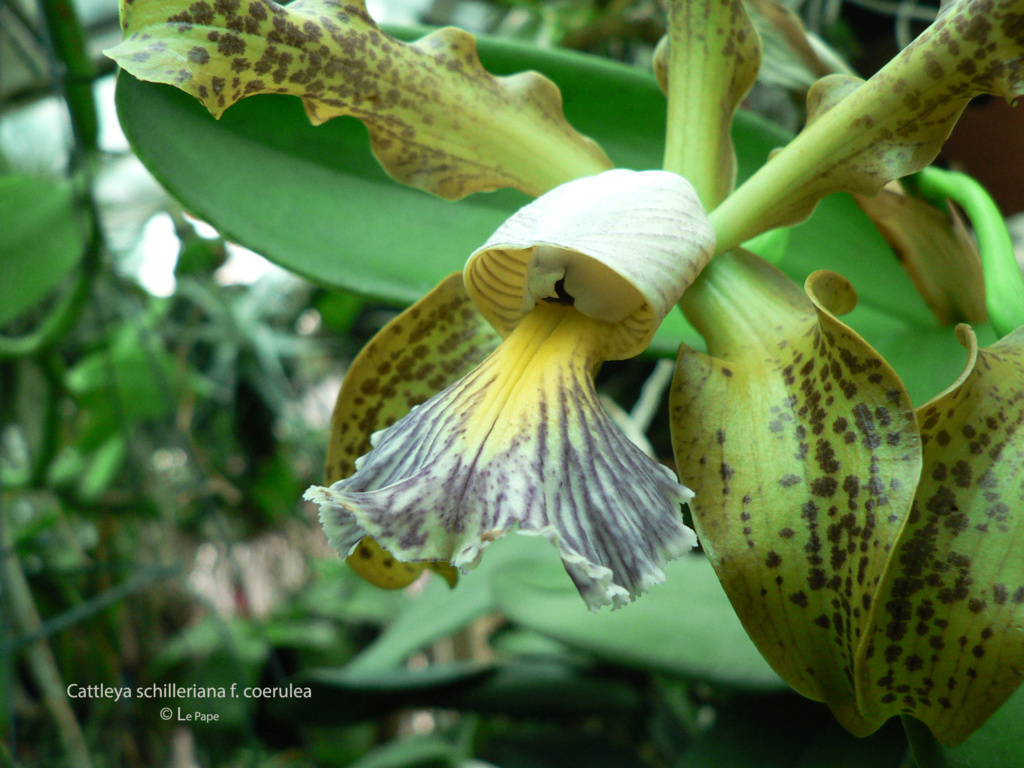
(582, 275)
(872, 550)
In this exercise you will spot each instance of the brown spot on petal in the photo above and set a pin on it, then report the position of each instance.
(958, 560)
(340, 63)
(828, 459)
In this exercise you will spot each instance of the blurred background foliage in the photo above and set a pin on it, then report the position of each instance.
(164, 401)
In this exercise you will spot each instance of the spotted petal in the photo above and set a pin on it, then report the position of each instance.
(861, 135)
(948, 643)
(437, 119)
(522, 444)
(426, 348)
(803, 451)
(705, 64)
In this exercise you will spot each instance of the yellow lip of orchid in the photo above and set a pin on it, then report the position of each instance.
(521, 442)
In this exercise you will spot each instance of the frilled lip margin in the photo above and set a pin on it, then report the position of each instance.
(521, 443)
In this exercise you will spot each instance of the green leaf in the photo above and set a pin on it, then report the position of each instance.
(337, 593)
(241, 640)
(441, 612)
(42, 239)
(301, 633)
(133, 378)
(997, 744)
(438, 612)
(684, 627)
(102, 468)
(30, 410)
(328, 212)
(215, 653)
(788, 732)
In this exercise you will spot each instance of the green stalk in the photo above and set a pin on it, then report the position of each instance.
(68, 40)
(52, 368)
(727, 304)
(1004, 284)
(35, 474)
(53, 326)
(40, 659)
(688, 127)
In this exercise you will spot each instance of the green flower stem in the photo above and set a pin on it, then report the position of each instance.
(740, 216)
(699, 168)
(52, 366)
(34, 475)
(725, 290)
(41, 663)
(68, 41)
(1004, 284)
(52, 328)
(730, 304)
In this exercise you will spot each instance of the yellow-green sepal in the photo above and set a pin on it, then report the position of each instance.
(948, 642)
(379, 567)
(423, 350)
(802, 448)
(935, 249)
(437, 119)
(705, 64)
(861, 135)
